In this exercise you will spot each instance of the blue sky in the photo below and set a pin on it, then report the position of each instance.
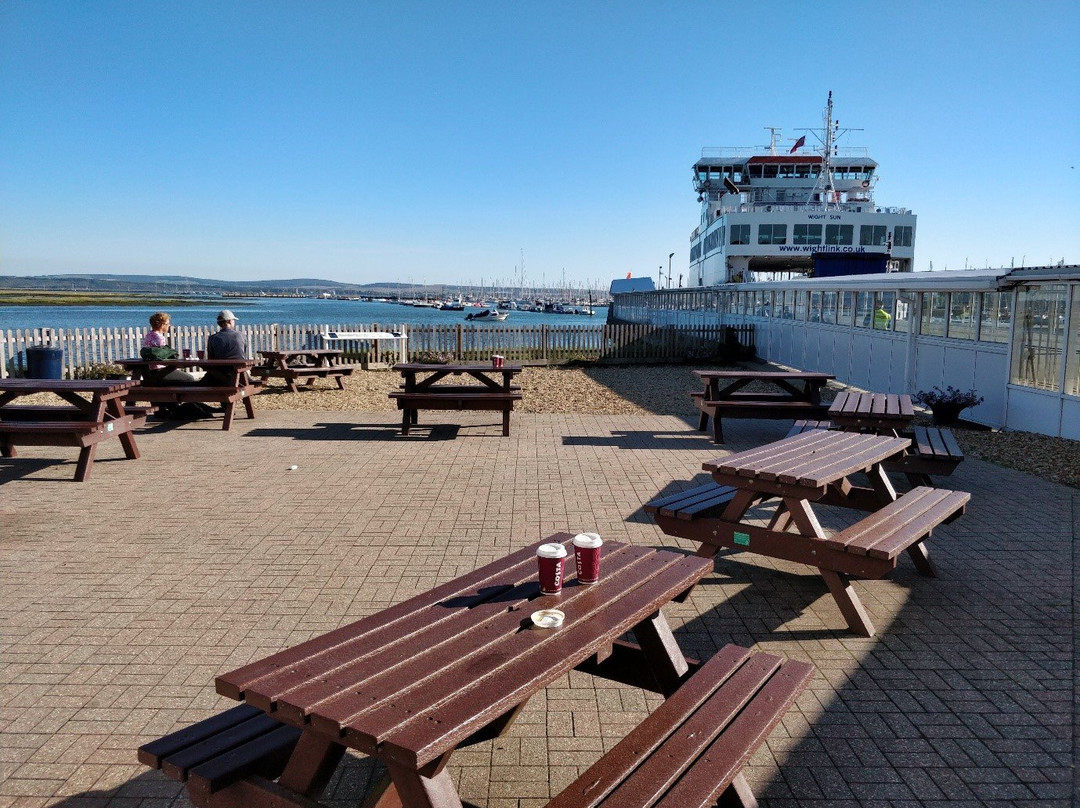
(436, 142)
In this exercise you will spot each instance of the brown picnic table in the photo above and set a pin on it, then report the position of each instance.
(792, 476)
(304, 363)
(82, 422)
(795, 394)
(424, 387)
(236, 384)
(883, 413)
(454, 666)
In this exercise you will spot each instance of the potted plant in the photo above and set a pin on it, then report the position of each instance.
(947, 404)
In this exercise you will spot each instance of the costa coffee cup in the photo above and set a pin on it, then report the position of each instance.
(551, 558)
(587, 557)
(187, 353)
(201, 354)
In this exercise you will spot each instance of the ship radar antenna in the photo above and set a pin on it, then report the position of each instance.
(774, 138)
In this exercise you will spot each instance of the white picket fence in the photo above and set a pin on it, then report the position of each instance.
(86, 347)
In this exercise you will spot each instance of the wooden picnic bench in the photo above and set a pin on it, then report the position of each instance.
(799, 396)
(797, 472)
(421, 390)
(933, 451)
(80, 422)
(307, 363)
(453, 667)
(239, 388)
(882, 413)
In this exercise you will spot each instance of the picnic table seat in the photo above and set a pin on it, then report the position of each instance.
(455, 397)
(688, 752)
(62, 412)
(934, 451)
(226, 396)
(705, 500)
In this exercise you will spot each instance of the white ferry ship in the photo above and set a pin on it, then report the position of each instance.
(774, 212)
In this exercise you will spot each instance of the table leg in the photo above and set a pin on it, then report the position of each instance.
(417, 791)
(249, 407)
(115, 408)
(230, 408)
(311, 764)
(506, 423)
(879, 480)
(738, 794)
(848, 600)
(406, 421)
(662, 652)
(86, 460)
(920, 555)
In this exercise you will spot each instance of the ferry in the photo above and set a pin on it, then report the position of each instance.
(773, 212)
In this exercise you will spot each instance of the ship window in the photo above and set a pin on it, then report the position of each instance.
(740, 234)
(864, 309)
(962, 315)
(1040, 320)
(815, 307)
(839, 233)
(847, 308)
(872, 235)
(807, 234)
(769, 171)
(995, 321)
(934, 308)
(754, 171)
(772, 234)
(828, 307)
(902, 236)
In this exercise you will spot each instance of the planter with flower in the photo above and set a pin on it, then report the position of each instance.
(947, 404)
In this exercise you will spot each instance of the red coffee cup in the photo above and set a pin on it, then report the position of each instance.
(550, 558)
(201, 354)
(187, 353)
(587, 557)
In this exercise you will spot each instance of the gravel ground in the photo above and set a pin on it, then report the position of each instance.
(637, 389)
(660, 389)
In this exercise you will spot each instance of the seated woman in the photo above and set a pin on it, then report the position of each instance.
(160, 323)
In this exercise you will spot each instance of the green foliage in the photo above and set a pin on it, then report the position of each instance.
(433, 357)
(950, 397)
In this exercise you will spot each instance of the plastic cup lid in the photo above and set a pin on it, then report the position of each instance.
(551, 551)
(587, 540)
(548, 618)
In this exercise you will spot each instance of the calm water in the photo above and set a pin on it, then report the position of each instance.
(268, 310)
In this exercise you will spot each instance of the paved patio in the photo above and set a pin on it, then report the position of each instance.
(122, 597)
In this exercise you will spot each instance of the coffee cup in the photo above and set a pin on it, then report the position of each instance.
(587, 557)
(550, 559)
(201, 354)
(187, 353)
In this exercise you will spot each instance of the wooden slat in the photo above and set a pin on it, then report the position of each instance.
(531, 661)
(151, 754)
(177, 764)
(431, 655)
(264, 756)
(355, 682)
(887, 532)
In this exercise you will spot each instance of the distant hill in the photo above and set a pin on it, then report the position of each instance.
(180, 284)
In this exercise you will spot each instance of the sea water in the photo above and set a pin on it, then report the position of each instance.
(272, 310)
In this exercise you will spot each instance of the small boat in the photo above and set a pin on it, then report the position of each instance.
(492, 315)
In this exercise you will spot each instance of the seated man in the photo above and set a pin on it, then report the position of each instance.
(228, 343)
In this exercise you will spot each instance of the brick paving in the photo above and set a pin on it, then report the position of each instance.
(122, 597)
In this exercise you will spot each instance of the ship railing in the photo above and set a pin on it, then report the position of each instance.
(744, 152)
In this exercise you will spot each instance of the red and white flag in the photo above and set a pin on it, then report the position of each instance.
(798, 143)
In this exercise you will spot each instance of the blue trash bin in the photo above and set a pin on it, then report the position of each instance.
(44, 362)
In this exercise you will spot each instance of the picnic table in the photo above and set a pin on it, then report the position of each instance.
(423, 388)
(238, 385)
(794, 475)
(309, 363)
(454, 666)
(797, 395)
(80, 421)
(883, 413)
